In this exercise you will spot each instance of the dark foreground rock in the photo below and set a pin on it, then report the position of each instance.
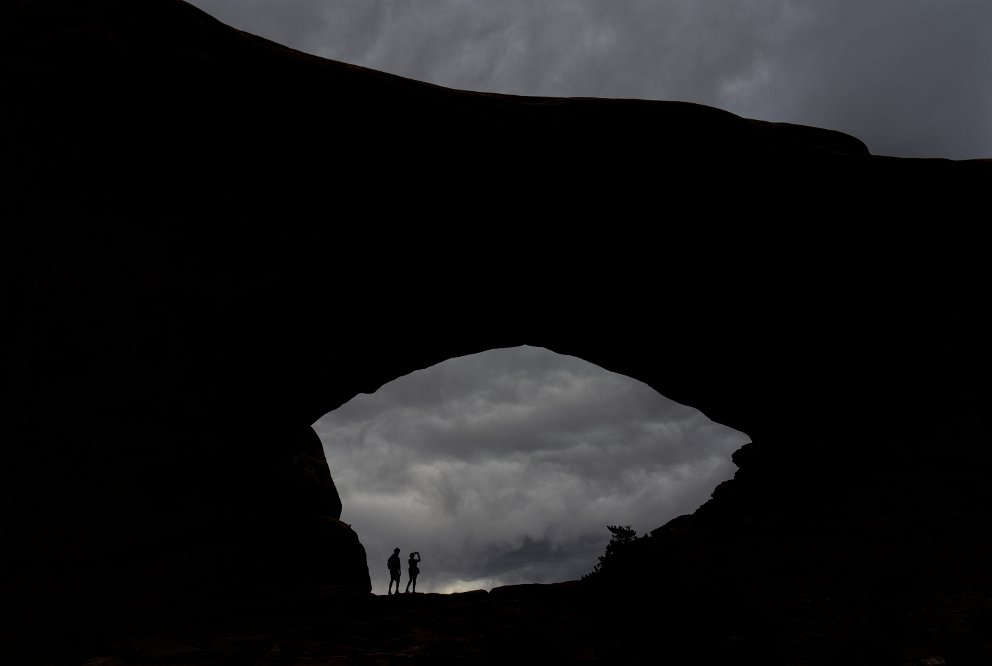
(211, 240)
(566, 622)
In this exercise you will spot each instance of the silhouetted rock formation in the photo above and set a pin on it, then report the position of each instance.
(157, 110)
(214, 240)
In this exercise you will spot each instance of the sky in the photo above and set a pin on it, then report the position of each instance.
(506, 467)
(910, 78)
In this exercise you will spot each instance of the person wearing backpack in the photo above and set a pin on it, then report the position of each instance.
(394, 566)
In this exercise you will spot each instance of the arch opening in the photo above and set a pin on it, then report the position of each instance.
(505, 466)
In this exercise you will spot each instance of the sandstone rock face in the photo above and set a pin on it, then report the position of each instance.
(212, 244)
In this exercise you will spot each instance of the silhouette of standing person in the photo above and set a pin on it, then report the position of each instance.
(394, 571)
(414, 571)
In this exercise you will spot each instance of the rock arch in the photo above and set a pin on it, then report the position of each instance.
(162, 368)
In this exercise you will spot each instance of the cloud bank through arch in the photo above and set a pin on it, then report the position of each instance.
(908, 77)
(506, 466)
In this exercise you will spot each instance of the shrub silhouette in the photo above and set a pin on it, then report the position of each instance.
(621, 545)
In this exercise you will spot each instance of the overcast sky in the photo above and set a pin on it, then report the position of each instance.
(507, 466)
(908, 77)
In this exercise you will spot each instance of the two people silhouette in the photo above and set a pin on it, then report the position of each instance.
(393, 563)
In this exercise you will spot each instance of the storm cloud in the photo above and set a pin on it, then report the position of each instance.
(506, 466)
(909, 77)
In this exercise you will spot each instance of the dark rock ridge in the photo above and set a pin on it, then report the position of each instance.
(156, 109)
(212, 240)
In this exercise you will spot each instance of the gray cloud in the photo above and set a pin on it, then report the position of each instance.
(507, 466)
(909, 77)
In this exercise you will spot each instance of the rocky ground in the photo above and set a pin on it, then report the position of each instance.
(548, 622)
